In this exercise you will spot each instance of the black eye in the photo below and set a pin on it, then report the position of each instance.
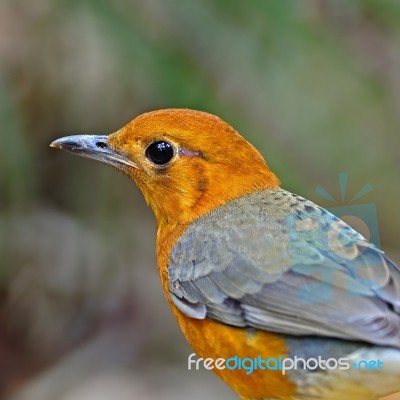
(160, 153)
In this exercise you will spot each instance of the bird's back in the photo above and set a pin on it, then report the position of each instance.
(276, 264)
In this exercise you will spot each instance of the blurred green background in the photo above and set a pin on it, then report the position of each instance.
(314, 84)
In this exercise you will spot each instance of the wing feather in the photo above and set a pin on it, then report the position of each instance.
(278, 262)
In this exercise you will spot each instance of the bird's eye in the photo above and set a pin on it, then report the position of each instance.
(160, 152)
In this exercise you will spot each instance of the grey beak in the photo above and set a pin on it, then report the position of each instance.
(93, 146)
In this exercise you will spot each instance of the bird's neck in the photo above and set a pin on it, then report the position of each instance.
(173, 221)
(209, 193)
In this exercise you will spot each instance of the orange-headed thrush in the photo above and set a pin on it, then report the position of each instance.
(251, 270)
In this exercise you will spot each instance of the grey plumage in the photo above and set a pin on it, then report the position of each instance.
(275, 261)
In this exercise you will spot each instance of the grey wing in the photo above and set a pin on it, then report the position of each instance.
(277, 262)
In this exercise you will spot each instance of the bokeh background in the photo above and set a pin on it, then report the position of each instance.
(314, 84)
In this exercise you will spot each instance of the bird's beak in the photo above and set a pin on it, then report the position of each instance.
(93, 146)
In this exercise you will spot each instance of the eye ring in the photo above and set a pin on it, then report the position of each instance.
(160, 152)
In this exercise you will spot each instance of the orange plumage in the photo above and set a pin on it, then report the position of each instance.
(197, 189)
(230, 266)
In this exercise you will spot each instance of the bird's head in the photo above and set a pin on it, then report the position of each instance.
(185, 162)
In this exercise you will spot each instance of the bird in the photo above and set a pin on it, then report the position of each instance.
(254, 272)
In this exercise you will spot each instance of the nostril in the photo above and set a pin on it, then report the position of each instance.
(101, 145)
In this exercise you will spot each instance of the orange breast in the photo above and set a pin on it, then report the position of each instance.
(212, 339)
(215, 340)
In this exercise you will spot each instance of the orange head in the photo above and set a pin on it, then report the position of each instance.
(185, 162)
